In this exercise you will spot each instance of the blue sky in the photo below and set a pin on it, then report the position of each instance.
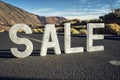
(81, 9)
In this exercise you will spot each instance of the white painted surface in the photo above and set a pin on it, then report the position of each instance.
(50, 31)
(67, 40)
(91, 37)
(17, 40)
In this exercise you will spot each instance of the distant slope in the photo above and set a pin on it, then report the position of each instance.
(10, 15)
(54, 19)
(51, 19)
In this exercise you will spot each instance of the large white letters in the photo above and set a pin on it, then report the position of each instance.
(67, 40)
(50, 31)
(17, 40)
(91, 37)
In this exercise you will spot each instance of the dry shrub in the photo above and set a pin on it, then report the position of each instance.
(40, 30)
(112, 28)
(2, 30)
(83, 31)
(35, 30)
(80, 27)
(20, 30)
(74, 31)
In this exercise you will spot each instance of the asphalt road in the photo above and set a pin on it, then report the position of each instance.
(77, 66)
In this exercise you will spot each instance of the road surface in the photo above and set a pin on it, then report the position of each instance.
(77, 66)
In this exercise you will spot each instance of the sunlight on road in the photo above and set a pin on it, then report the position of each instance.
(40, 41)
(117, 63)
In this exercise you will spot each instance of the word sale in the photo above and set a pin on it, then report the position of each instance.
(50, 31)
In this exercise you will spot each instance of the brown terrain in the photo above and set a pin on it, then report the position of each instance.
(10, 15)
(51, 20)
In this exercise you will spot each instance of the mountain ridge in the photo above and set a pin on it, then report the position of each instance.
(10, 15)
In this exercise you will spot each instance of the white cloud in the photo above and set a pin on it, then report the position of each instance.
(79, 12)
(117, 4)
(118, 1)
(40, 10)
(85, 17)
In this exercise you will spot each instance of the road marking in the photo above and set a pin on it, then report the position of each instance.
(37, 40)
(117, 63)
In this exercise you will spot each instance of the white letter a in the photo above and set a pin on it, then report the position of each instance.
(50, 31)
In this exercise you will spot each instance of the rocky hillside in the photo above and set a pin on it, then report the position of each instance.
(10, 15)
(51, 20)
(54, 20)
